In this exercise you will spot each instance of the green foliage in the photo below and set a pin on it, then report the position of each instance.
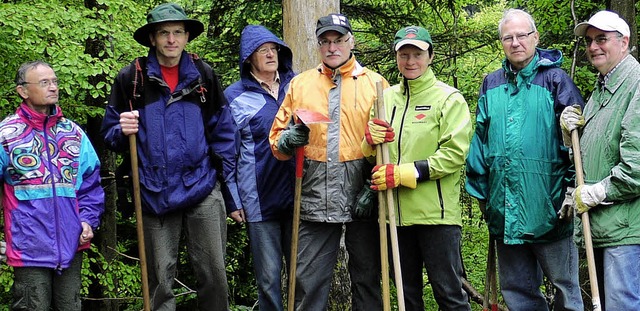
(59, 32)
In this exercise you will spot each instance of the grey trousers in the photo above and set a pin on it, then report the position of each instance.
(206, 235)
(39, 289)
(317, 255)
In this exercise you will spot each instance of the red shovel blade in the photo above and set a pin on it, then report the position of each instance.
(311, 117)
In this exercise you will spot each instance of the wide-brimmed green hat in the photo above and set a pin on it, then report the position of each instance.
(167, 12)
(414, 35)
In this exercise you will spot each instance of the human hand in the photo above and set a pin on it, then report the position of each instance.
(86, 235)
(378, 132)
(3, 251)
(388, 176)
(566, 211)
(129, 122)
(571, 118)
(238, 216)
(588, 196)
(297, 135)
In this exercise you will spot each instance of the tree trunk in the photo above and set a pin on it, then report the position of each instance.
(299, 19)
(627, 10)
(105, 237)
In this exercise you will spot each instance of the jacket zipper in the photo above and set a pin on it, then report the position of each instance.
(54, 195)
(404, 114)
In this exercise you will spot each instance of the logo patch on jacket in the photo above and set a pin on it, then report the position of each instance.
(421, 117)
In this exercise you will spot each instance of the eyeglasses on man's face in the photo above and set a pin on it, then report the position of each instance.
(599, 40)
(264, 50)
(520, 37)
(44, 83)
(338, 42)
(178, 33)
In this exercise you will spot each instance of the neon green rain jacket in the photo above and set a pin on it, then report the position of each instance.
(433, 129)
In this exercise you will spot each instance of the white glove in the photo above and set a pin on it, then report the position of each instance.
(570, 119)
(3, 251)
(588, 196)
(566, 210)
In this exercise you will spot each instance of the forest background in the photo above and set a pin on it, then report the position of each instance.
(88, 41)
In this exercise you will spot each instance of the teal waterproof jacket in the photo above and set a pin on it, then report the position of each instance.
(610, 146)
(433, 130)
(517, 162)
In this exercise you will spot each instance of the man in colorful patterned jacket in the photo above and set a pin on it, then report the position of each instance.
(52, 199)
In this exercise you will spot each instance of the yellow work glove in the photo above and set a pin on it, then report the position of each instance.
(567, 209)
(367, 150)
(388, 176)
(589, 196)
(378, 132)
(570, 119)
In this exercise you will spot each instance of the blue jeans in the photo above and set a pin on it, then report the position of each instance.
(269, 242)
(317, 255)
(620, 268)
(38, 289)
(521, 268)
(205, 230)
(438, 249)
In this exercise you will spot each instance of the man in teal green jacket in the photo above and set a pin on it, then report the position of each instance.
(610, 146)
(519, 170)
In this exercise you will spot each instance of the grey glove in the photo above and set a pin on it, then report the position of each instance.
(566, 211)
(3, 251)
(297, 135)
(367, 201)
(570, 119)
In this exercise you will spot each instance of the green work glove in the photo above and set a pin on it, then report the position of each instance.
(367, 199)
(570, 119)
(297, 135)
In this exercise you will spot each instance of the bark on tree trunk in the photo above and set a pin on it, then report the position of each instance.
(627, 10)
(105, 237)
(299, 29)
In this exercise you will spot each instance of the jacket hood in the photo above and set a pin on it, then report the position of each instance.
(254, 36)
(542, 58)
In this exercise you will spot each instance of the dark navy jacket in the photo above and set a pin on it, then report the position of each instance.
(265, 184)
(175, 154)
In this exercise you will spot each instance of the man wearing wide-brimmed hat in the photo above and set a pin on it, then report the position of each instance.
(186, 138)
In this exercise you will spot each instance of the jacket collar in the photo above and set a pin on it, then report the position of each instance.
(349, 69)
(38, 120)
(419, 84)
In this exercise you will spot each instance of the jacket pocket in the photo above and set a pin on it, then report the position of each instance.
(152, 178)
(195, 174)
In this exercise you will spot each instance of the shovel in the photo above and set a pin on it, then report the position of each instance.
(586, 225)
(306, 117)
(490, 286)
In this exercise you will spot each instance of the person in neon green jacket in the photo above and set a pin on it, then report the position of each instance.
(428, 134)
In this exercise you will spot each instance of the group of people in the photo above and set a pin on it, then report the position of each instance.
(206, 153)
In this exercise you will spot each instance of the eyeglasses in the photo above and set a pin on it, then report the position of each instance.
(265, 50)
(521, 37)
(44, 83)
(179, 33)
(599, 40)
(338, 42)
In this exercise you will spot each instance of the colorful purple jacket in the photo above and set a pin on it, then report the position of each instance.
(51, 183)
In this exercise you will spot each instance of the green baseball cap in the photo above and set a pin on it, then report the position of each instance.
(167, 12)
(414, 35)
